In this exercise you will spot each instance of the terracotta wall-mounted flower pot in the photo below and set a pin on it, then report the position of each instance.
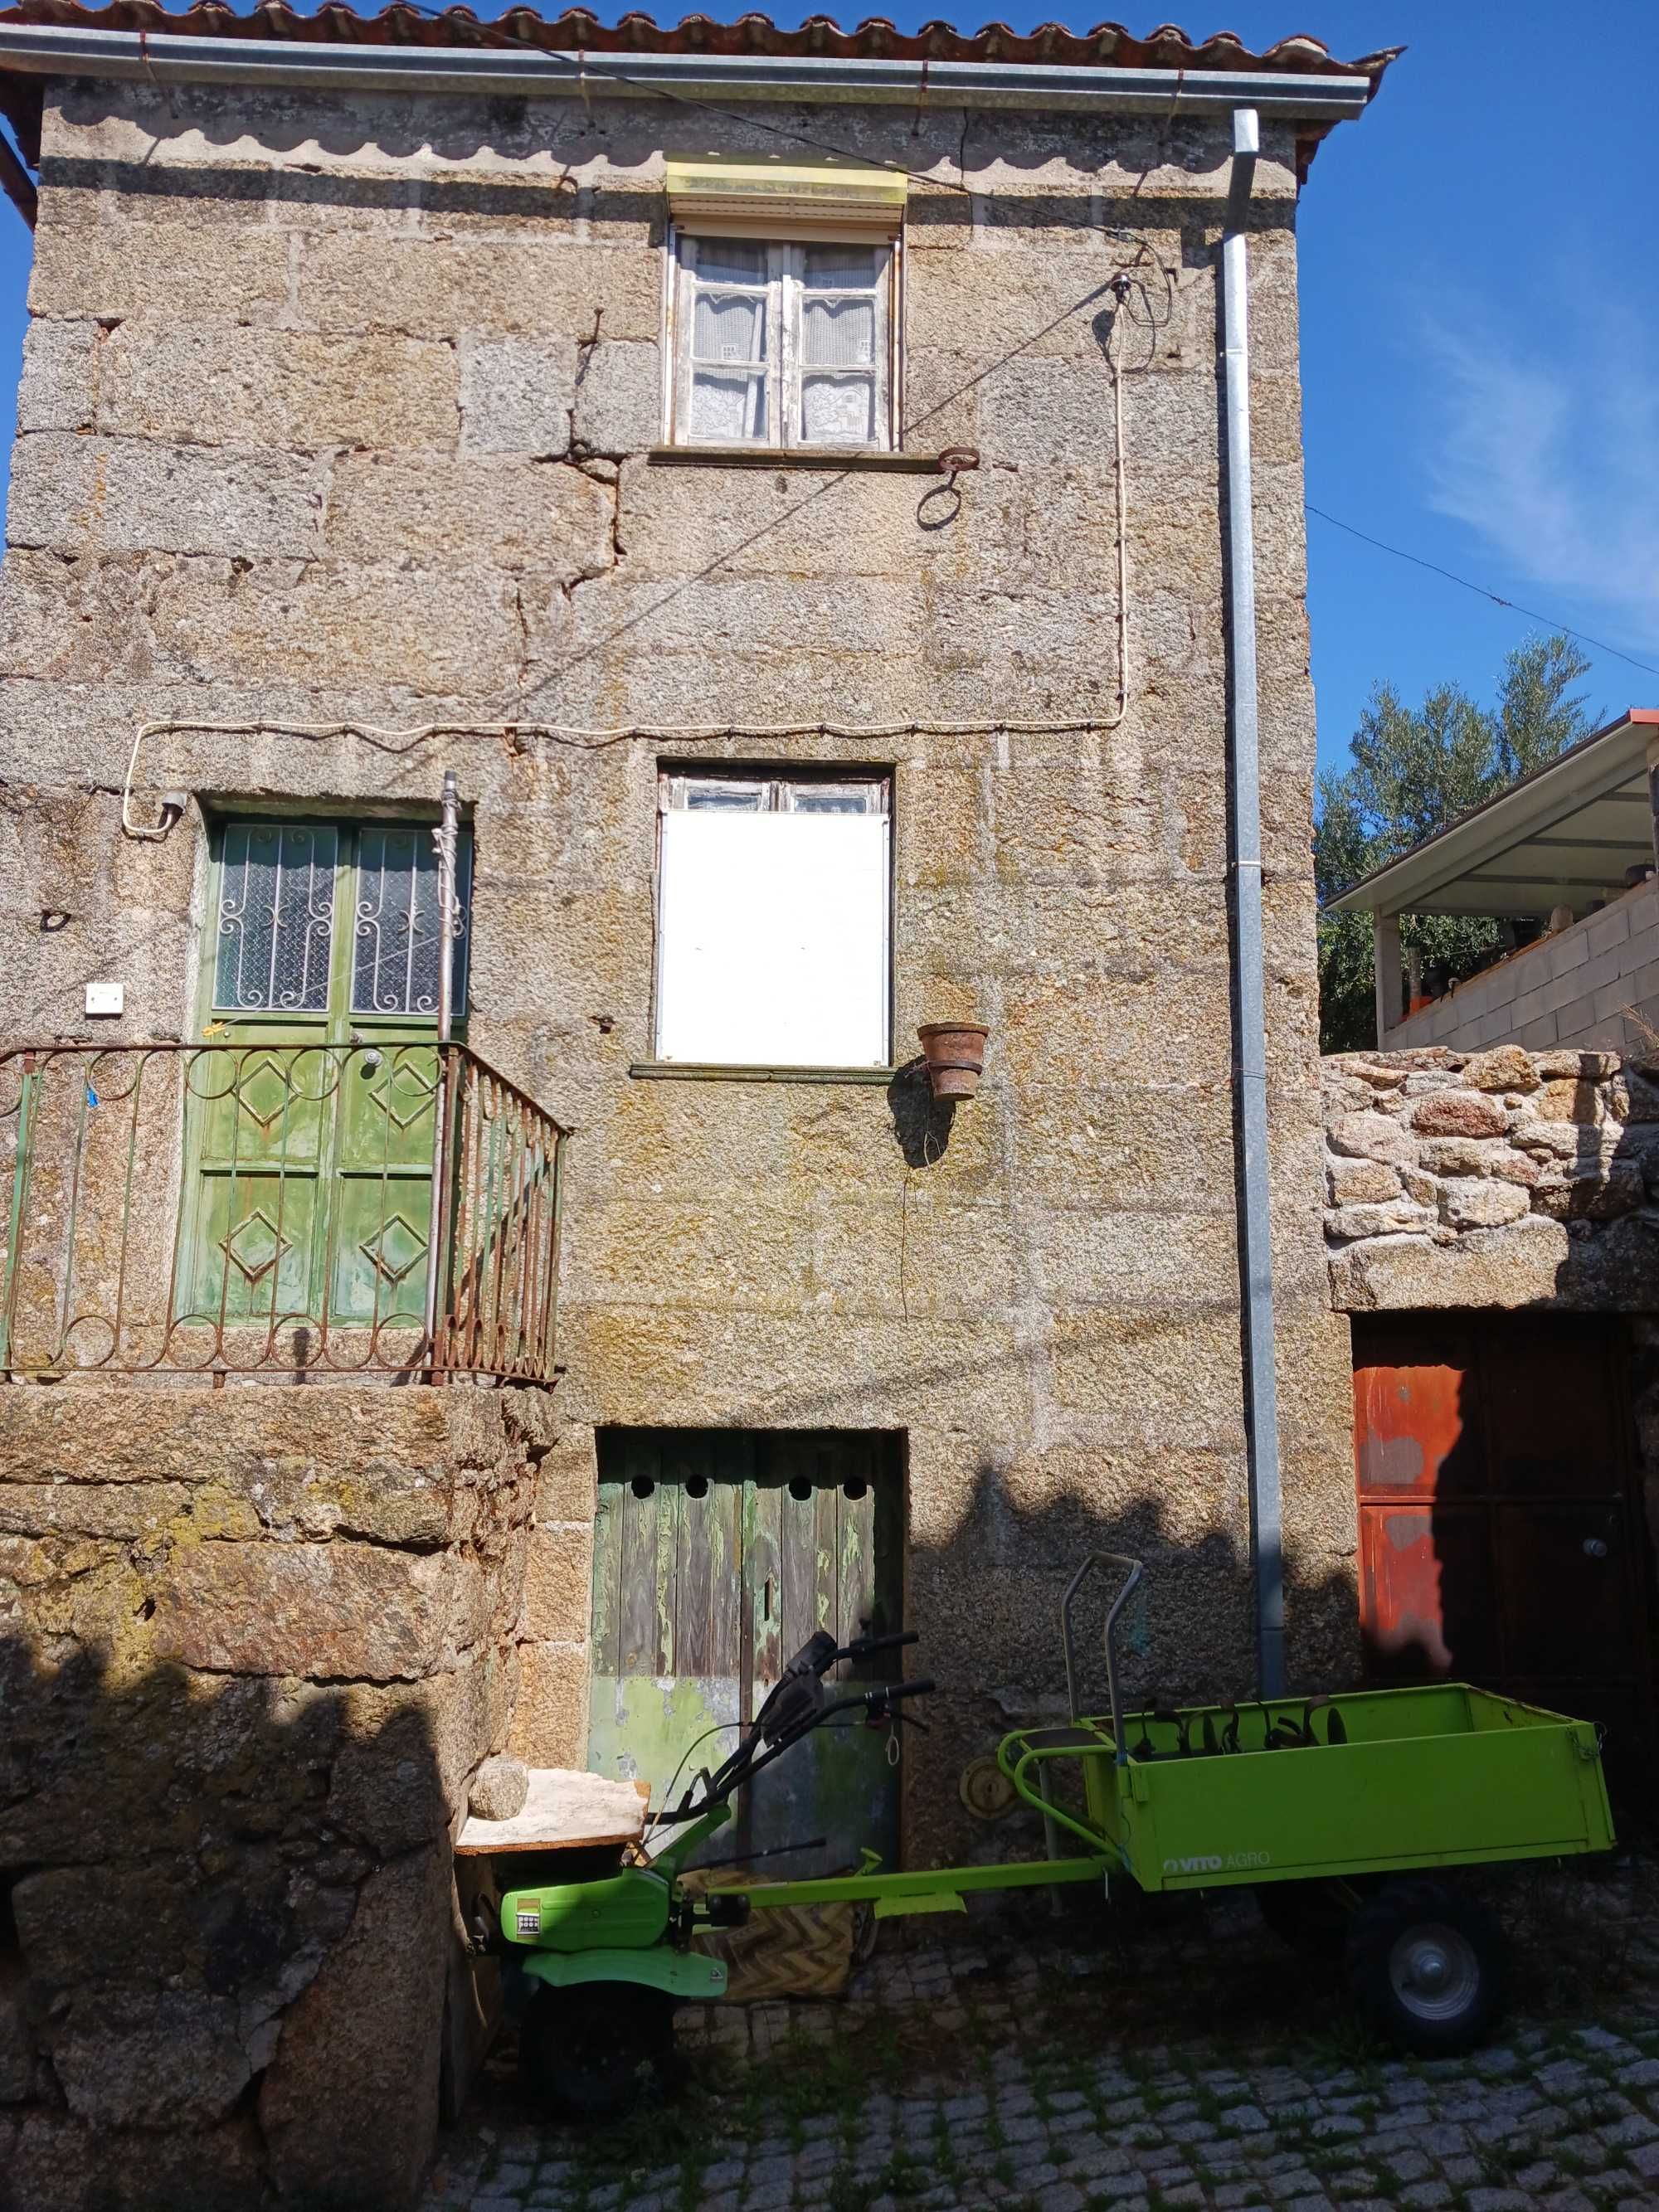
(956, 1056)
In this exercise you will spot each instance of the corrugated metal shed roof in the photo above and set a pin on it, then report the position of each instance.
(1563, 835)
(875, 38)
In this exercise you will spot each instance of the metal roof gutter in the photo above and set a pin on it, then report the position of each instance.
(44, 50)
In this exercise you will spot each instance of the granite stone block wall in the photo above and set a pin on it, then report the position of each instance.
(345, 410)
(253, 1643)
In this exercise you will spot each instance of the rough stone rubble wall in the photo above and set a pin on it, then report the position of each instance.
(253, 1643)
(1502, 1178)
(343, 408)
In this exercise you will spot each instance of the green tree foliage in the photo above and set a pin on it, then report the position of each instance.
(1414, 769)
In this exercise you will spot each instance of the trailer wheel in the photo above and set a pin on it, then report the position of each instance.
(1425, 1966)
(587, 2050)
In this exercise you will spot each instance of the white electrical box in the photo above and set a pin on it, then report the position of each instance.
(105, 997)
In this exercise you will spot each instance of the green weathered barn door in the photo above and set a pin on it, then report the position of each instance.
(823, 1551)
(667, 1632)
(717, 1553)
(311, 1128)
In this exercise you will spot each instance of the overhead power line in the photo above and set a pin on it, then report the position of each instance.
(1480, 590)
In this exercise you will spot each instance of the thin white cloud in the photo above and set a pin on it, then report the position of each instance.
(1553, 457)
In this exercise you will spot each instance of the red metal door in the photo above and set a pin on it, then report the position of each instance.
(1499, 1538)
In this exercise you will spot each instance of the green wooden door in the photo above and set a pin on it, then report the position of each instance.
(717, 1553)
(310, 1137)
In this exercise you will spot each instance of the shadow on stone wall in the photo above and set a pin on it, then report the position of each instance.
(921, 1123)
(994, 1584)
(225, 1907)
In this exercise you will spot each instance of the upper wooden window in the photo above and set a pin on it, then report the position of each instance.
(784, 344)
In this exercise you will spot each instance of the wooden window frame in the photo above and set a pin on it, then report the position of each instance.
(784, 293)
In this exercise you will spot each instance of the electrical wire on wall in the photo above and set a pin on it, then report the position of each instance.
(1123, 284)
(1126, 285)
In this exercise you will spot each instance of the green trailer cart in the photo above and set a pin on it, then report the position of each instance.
(1349, 1815)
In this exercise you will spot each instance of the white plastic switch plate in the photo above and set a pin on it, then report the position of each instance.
(105, 997)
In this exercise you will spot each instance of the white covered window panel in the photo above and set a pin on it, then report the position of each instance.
(773, 931)
(840, 295)
(733, 336)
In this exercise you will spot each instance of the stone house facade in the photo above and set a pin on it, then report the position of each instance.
(391, 409)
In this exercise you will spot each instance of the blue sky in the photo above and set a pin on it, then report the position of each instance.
(1480, 337)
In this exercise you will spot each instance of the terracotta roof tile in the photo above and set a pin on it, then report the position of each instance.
(874, 38)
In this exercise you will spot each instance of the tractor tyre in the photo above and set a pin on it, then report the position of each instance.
(587, 2051)
(1425, 1966)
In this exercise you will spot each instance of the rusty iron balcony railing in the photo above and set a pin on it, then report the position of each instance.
(283, 1210)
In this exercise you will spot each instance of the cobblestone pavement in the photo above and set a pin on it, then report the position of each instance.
(1154, 2061)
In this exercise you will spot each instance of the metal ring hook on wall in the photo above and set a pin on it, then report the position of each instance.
(951, 462)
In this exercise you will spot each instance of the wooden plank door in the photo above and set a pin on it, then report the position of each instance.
(667, 1639)
(1500, 1538)
(717, 1553)
(827, 1515)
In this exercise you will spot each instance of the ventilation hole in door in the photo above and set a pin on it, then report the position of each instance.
(800, 1488)
(697, 1486)
(642, 1486)
(855, 1489)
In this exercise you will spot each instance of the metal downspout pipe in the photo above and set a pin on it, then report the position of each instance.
(1250, 1042)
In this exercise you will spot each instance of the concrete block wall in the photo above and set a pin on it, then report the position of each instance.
(1593, 985)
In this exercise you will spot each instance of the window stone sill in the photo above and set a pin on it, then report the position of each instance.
(822, 458)
(688, 1071)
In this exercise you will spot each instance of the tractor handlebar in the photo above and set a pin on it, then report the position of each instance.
(865, 1647)
(875, 1700)
(796, 1705)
